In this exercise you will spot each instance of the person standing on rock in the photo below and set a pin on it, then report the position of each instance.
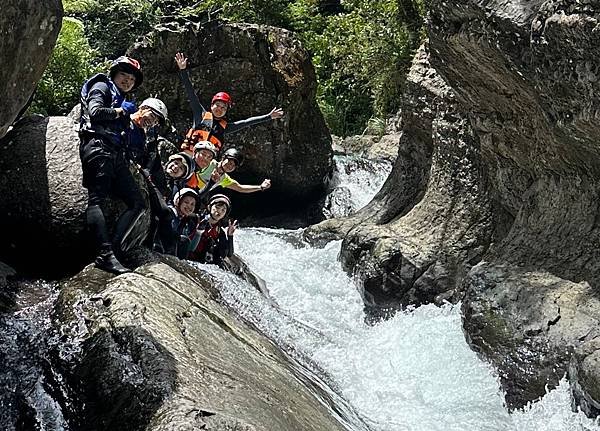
(216, 241)
(109, 126)
(211, 125)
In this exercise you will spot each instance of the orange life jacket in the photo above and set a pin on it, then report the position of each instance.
(210, 130)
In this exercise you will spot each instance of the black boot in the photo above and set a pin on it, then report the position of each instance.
(107, 261)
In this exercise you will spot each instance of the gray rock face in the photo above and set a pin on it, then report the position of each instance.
(506, 105)
(261, 67)
(42, 210)
(153, 350)
(526, 74)
(28, 31)
(369, 146)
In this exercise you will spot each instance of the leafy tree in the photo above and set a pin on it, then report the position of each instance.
(361, 49)
(69, 65)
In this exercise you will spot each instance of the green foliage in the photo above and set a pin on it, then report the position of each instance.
(70, 64)
(361, 51)
(112, 26)
(361, 57)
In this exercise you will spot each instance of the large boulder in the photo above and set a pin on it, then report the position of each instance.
(155, 350)
(42, 210)
(527, 75)
(261, 67)
(28, 31)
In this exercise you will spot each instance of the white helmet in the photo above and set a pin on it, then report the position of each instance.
(206, 145)
(184, 192)
(157, 106)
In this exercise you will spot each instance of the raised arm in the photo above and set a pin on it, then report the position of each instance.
(239, 125)
(197, 108)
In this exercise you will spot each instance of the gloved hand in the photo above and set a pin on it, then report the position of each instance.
(128, 107)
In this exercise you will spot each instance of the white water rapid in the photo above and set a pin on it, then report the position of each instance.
(413, 372)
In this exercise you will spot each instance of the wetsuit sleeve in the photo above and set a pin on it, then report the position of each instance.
(242, 124)
(197, 108)
(99, 101)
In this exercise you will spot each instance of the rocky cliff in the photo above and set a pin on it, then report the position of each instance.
(494, 196)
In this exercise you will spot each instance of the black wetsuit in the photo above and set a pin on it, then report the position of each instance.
(214, 245)
(103, 152)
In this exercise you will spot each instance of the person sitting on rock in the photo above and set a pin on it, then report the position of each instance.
(109, 124)
(185, 221)
(211, 125)
(219, 173)
(215, 242)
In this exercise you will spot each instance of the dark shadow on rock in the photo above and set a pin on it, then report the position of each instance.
(124, 376)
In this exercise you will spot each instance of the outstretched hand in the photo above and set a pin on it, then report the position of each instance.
(181, 60)
(265, 184)
(233, 225)
(276, 113)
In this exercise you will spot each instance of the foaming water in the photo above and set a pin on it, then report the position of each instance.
(361, 177)
(413, 372)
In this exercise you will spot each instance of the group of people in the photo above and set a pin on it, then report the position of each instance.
(189, 218)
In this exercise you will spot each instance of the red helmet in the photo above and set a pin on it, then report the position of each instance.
(127, 65)
(223, 97)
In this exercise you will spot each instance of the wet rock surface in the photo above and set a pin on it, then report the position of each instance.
(154, 350)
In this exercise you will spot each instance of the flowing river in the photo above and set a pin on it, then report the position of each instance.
(414, 372)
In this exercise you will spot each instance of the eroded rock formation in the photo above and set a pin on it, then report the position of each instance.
(28, 31)
(510, 114)
(432, 216)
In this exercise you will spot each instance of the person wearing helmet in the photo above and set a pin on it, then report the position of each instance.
(218, 173)
(111, 129)
(215, 241)
(204, 154)
(185, 221)
(164, 236)
(212, 125)
(104, 123)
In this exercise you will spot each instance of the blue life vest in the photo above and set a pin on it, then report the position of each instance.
(116, 101)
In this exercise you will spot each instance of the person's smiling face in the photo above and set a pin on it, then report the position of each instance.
(203, 158)
(124, 81)
(187, 205)
(219, 109)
